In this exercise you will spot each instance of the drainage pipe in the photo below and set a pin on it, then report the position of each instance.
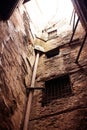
(27, 114)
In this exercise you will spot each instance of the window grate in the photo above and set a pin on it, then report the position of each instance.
(56, 88)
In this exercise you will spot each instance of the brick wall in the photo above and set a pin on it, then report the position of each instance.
(16, 63)
(68, 113)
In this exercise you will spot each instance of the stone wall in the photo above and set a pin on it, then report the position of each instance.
(68, 113)
(16, 63)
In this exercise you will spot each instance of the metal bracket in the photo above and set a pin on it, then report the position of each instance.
(33, 89)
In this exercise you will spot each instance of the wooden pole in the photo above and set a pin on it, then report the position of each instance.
(27, 115)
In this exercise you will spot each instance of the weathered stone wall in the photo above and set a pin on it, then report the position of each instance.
(68, 113)
(16, 63)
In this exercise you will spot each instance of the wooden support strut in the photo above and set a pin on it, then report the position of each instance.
(81, 47)
(74, 20)
(74, 30)
(72, 16)
(27, 115)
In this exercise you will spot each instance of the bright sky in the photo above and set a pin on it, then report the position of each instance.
(42, 12)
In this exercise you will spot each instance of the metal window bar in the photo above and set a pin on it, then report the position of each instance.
(84, 39)
(56, 88)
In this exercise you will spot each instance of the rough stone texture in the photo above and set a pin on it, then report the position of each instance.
(66, 113)
(16, 63)
(72, 120)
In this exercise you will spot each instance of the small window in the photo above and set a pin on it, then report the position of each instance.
(52, 34)
(56, 88)
(52, 52)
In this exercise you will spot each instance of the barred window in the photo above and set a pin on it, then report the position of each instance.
(56, 88)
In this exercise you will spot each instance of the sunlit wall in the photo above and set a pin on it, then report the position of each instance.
(44, 12)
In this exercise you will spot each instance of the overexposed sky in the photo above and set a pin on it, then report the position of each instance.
(42, 12)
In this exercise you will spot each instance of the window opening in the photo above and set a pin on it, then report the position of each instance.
(56, 88)
(52, 52)
(52, 34)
